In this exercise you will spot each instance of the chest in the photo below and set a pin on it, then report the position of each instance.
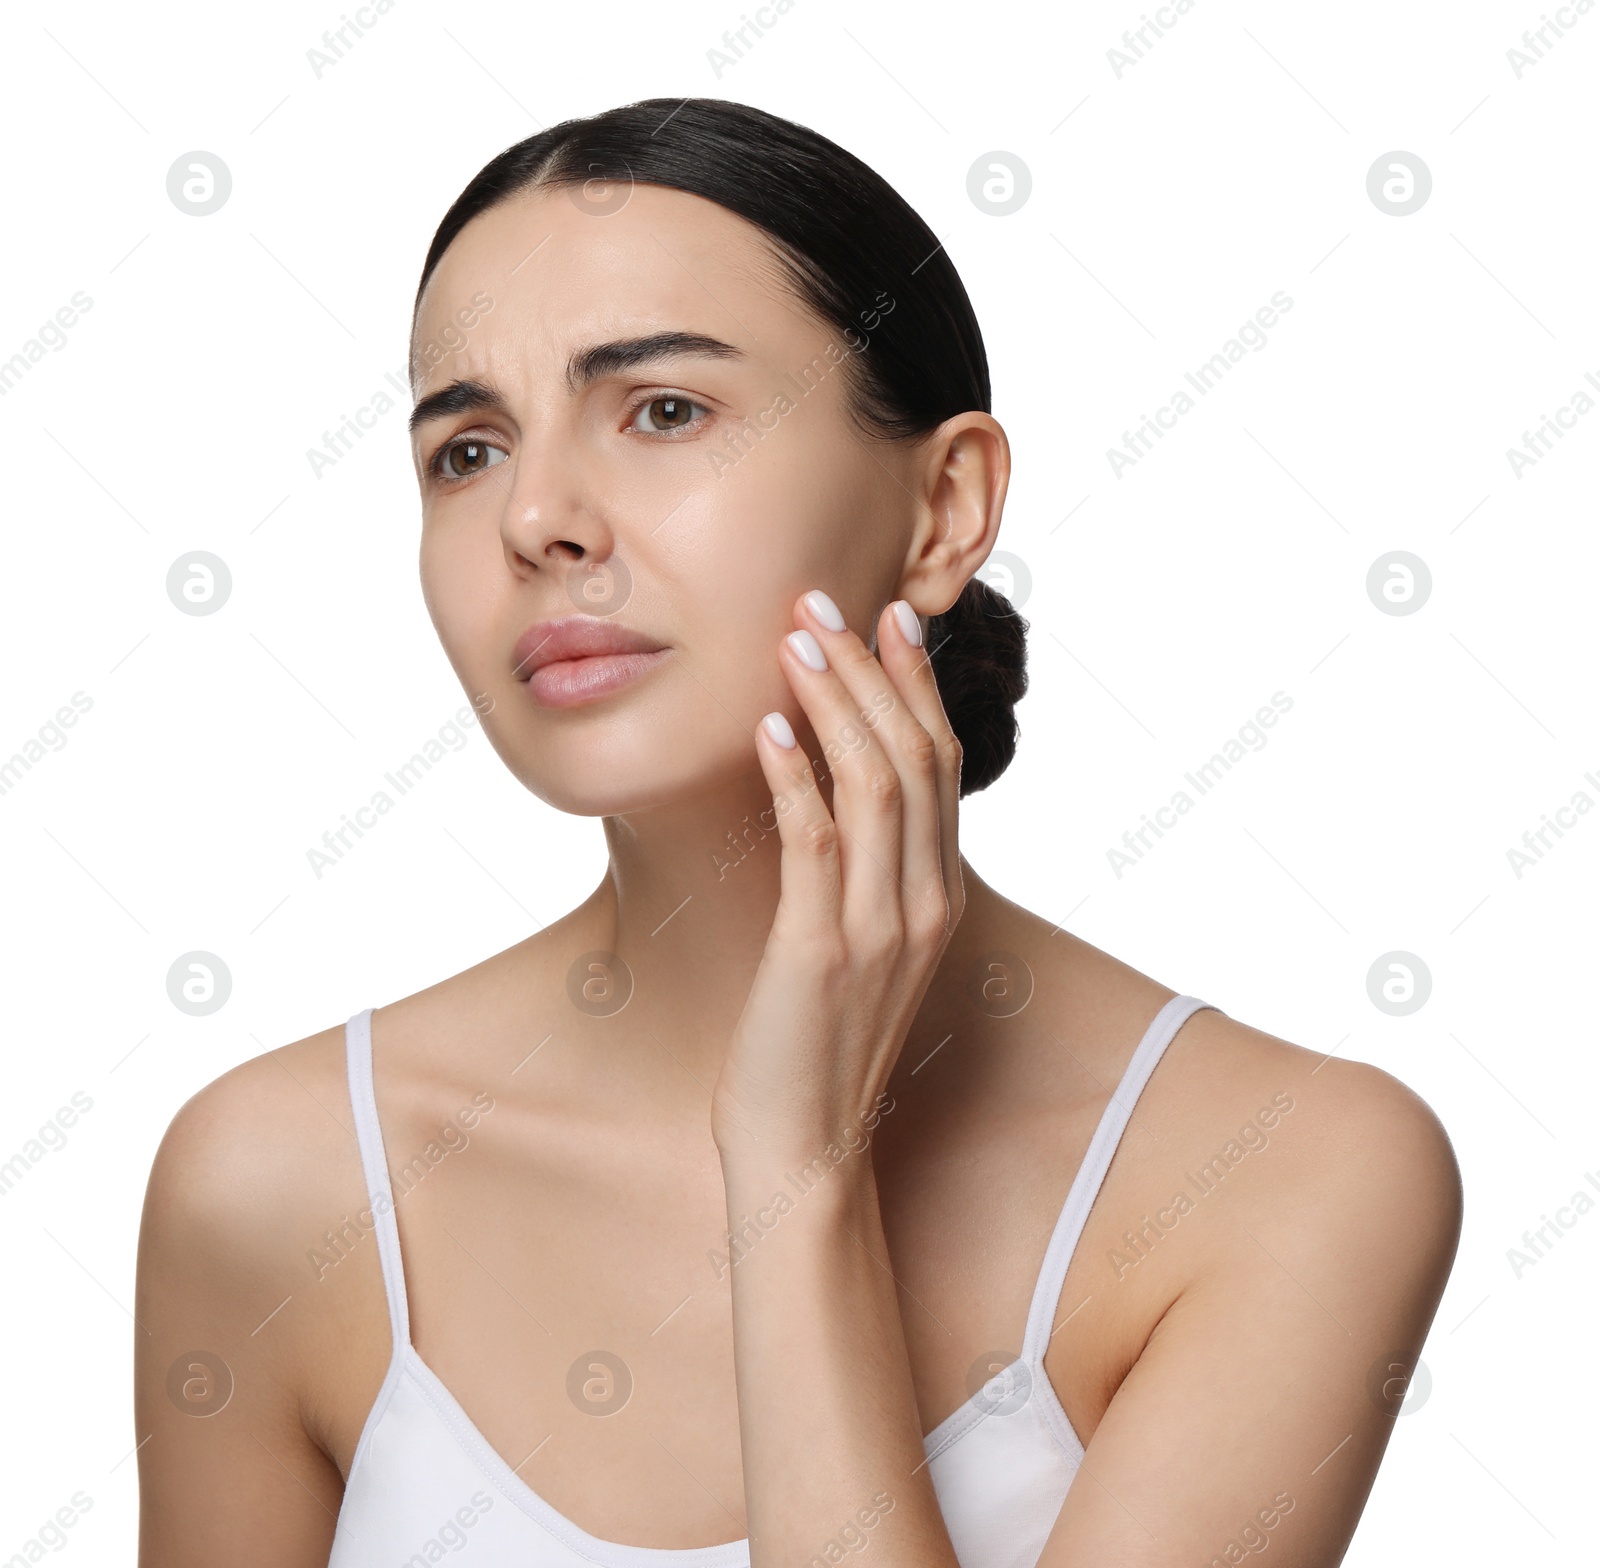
(571, 1290)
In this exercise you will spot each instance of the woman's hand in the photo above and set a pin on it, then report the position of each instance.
(870, 893)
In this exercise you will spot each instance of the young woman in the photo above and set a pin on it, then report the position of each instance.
(796, 1195)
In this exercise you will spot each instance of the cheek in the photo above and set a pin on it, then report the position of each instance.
(460, 574)
(808, 539)
(780, 523)
(732, 581)
(786, 520)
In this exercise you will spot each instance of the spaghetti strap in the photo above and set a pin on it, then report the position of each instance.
(1096, 1162)
(1000, 1484)
(369, 1139)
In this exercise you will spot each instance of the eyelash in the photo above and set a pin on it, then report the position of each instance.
(436, 463)
(667, 396)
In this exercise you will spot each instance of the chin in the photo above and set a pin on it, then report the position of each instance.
(640, 762)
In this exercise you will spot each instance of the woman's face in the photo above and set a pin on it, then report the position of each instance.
(688, 498)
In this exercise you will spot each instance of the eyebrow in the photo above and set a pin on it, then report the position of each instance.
(585, 366)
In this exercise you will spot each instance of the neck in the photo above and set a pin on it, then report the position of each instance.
(688, 900)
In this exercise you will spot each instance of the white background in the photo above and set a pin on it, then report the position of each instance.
(1168, 204)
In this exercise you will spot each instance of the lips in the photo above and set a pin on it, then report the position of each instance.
(579, 659)
(575, 637)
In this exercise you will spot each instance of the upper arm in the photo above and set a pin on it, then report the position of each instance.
(227, 1471)
(1260, 1407)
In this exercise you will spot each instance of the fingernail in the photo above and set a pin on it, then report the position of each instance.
(807, 650)
(778, 729)
(910, 626)
(825, 610)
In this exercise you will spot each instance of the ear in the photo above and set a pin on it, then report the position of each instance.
(961, 491)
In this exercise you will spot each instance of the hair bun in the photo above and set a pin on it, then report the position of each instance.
(979, 652)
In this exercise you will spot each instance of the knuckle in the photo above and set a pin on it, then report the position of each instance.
(932, 923)
(950, 751)
(826, 953)
(921, 749)
(817, 946)
(883, 786)
(817, 836)
(857, 655)
(880, 939)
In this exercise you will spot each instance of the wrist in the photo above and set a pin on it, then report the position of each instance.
(745, 1144)
(804, 1205)
(758, 1168)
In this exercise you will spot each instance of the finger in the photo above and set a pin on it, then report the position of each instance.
(809, 903)
(903, 656)
(910, 749)
(867, 788)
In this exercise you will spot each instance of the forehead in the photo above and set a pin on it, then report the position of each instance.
(543, 272)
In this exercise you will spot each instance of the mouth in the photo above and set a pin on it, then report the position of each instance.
(581, 658)
(565, 683)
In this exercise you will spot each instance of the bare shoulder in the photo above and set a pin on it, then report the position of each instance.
(1256, 1283)
(254, 1175)
(253, 1147)
(1360, 1122)
(237, 1321)
(1348, 1148)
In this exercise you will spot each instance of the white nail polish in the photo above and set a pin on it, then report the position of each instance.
(825, 610)
(778, 728)
(910, 626)
(808, 650)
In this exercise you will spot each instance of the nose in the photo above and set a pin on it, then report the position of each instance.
(547, 525)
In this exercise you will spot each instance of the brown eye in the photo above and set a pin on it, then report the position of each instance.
(667, 412)
(463, 459)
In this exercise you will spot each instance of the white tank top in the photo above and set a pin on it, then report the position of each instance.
(426, 1487)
